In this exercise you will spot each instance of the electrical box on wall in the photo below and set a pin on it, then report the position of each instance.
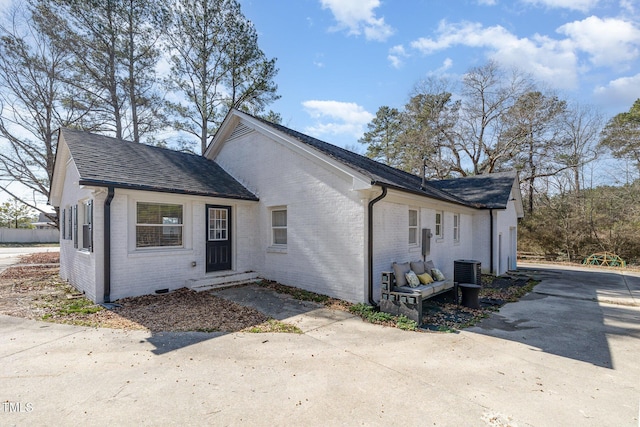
(426, 241)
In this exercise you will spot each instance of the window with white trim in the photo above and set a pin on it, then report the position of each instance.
(158, 225)
(456, 227)
(279, 227)
(63, 224)
(218, 224)
(75, 226)
(87, 225)
(439, 222)
(70, 223)
(413, 227)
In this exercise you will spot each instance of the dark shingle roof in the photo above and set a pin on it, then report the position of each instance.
(379, 173)
(490, 190)
(105, 161)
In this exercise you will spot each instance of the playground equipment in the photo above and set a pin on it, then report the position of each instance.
(605, 258)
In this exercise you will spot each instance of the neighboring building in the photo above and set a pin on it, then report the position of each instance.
(264, 201)
(44, 222)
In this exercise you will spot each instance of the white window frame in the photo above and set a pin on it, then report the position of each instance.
(276, 228)
(413, 229)
(85, 240)
(456, 227)
(218, 227)
(63, 223)
(439, 225)
(167, 225)
(70, 223)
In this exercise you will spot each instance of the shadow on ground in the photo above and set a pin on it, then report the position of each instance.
(245, 306)
(565, 315)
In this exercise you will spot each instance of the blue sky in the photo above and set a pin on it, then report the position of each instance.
(340, 60)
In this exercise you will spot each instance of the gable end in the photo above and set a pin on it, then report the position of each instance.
(239, 131)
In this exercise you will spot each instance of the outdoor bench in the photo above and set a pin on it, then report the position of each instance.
(406, 300)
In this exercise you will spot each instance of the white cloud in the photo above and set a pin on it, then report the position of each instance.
(358, 17)
(487, 2)
(550, 60)
(628, 5)
(335, 118)
(396, 55)
(622, 91)
(446, 64)
(607, 41)
(580, 5)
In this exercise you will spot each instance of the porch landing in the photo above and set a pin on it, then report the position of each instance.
(222, 280)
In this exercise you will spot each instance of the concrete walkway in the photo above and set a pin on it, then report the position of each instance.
(557, 357)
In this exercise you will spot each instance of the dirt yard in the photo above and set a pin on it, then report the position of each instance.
(34, 290)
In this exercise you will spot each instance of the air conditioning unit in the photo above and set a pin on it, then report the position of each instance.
(467, 271)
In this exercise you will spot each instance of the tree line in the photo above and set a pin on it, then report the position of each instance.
(495, 119)
(126, 68)
(135, 68)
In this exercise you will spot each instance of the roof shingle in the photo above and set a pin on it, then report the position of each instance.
(106, 161)
(490, 191)
(377, 172)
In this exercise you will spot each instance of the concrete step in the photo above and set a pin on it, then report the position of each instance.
(222, 280)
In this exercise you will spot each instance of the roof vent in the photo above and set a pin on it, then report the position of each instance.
(423, 186)
(240, 130)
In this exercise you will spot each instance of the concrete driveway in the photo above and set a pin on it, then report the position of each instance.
(558, 357)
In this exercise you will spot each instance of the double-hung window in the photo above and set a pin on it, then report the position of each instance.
(279, 227)
(63, 224)
(70, 223)
(87, 225)
(413, 227)
(158, 225)
(456, 227)
(439, 222)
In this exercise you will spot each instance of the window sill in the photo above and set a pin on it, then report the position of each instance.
(159, 251)
(277, 249)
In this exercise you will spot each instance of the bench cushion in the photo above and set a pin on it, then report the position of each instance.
(417, 267)
(426, 290)
(399, 270)
(412, 279)
(425, 278)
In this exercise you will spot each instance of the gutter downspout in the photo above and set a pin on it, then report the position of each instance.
(491, 241)
(107, 244)
(370, 242)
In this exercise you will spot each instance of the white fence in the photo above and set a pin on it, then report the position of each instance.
(19, 235)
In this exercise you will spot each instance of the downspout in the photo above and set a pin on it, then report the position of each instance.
(370, 242)
(107, 244)
(491, 241)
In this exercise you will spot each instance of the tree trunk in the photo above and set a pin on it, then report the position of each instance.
(132, 78)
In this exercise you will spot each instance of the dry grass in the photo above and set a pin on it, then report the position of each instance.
(41, 258)
(37, 292)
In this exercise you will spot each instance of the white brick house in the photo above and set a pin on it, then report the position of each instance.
(264, 201)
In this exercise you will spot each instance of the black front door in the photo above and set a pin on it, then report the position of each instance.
(218, 238)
